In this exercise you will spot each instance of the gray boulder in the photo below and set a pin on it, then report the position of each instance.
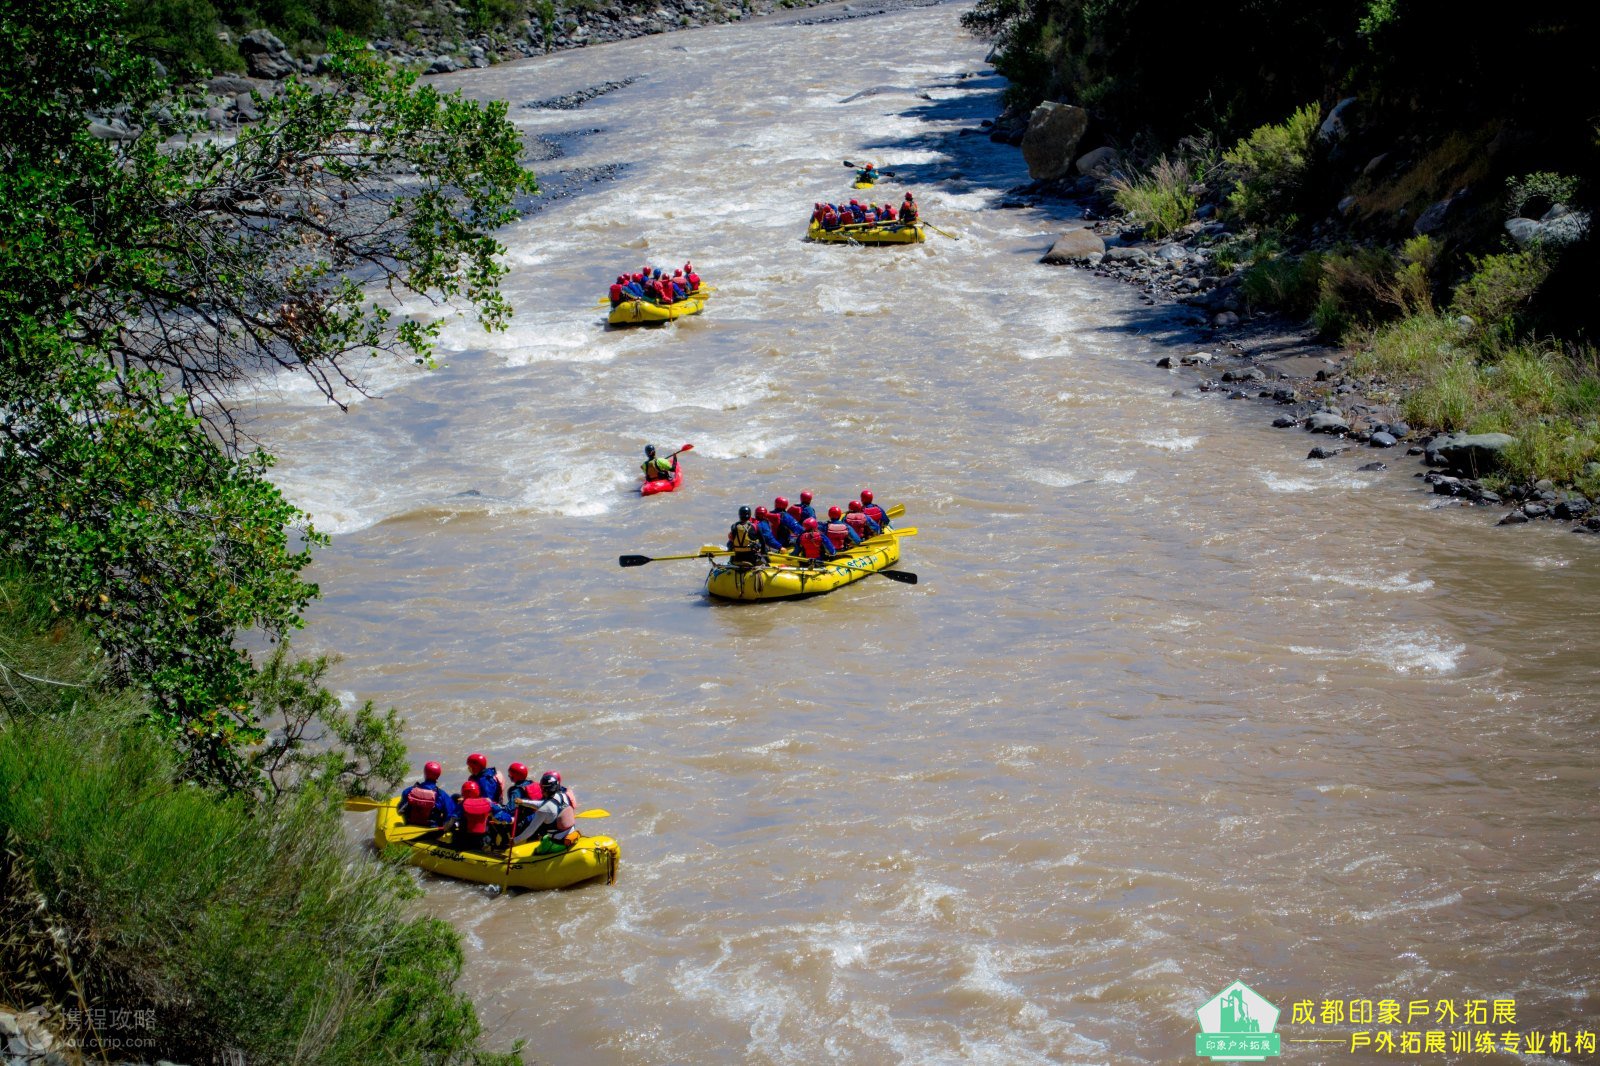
(1382, 439)
(245, 107)
(1224, 320)
(1473, 454)
(1102, 163)
(1051, 142)
(443, 65)
(1553, 231)
(1127, 255)
(229, 85)
(1327, 422)
(1075, 245)
(1433, 219)
(265, 56)
(1335, 126)
(117, 131)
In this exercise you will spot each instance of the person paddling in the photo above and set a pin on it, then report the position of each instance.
(658, 469)
(815, 544)
(784, 526)
(472, 824)
(873, 511)
(745, 541)
(764, 530)
(908, 209)
(858, 521)
(426, 802)
(491, 786)
(839, 531)
(867, 173)
(553, 819)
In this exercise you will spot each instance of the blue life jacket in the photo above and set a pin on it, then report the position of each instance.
(767, 539)
(632, 289)
(488, 784)
(808, 511)
(793, 528)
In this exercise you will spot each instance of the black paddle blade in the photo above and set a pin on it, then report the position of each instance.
(633, 560)
(905, 577)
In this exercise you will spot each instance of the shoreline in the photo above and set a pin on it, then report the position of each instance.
(1267, 358)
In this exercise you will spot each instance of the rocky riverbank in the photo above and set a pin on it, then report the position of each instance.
(1250, 355)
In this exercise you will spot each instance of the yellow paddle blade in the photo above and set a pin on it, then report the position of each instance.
(896, 511)
(909, 531)
(596, 813)
(362, 803)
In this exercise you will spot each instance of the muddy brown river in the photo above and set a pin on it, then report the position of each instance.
(1171, 705)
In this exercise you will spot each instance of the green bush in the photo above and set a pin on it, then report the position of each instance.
(1288, 283)
(1540, 190)
(242, 928)
(1160, 198)
(1269, 166)
(1500, 290)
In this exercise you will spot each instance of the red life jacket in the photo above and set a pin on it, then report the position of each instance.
(839, 533)
(830, 218)
(874, 512)
(694, 282)
(811, 544)
(616, 293)
(664, 290)
(419, 806)
(858, 522)
(475, 814)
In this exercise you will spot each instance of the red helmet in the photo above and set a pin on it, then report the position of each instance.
(476, 763)
(780, 504)
(811, 525)
(469, 790)
(908, 196)
(762, 512)
(431, 771)
(855, 505)
(834, 513)
(795, 512)
(806, 497)
(866, 495)
(518, 772)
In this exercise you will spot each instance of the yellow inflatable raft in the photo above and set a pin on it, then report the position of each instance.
(586, 860)
(636, 312)
(790, 578)
(887, 233)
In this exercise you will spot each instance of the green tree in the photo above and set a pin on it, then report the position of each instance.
(140, 282)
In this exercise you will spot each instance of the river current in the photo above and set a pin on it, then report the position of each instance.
(1171, 705)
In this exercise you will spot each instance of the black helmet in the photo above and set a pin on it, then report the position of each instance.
(649, 451)
(744, 512)
(549, 781)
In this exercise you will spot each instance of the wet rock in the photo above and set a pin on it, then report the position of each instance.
(1075, 245)
(1285, 422)
(1535, 510)
(1400, 429)
(1327, 422)
(1253, 373)
(1126, 255)
(1286, 396)
(1571, 507)
(443, 65)
(1238, 394)
(1371, 468)
(1483, 495)
(1382, 439)
(1102, 163)
(1515, 518)
(1445, 486)
(1164, 363)
(105, 131)
(1319, 452)
(1475, 454)
(1224, 320)
(1051, 142)
(1197, 359)
(245, 107)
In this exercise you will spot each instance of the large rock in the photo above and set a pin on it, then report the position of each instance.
(1473, 454)
(1074, 245)
(1336, 126)
(1327, 422)
(1051, 143)
(1102, 163)
(265, 56)
(1553, 230)
(229, 85)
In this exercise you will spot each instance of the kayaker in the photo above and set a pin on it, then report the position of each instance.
(491, 786)
(553, 819)
(658, 469)
(815, 544)
(806, 510)
(764, 529)
(874, 512)
(857, 520)
(908, 209)
(784, 526)
(868, 173)
(426, 802)
(745, 542)
(472, 824)
(839, 531)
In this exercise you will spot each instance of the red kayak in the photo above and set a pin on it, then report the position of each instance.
(666, 484)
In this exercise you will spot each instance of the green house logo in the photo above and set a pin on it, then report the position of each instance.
(1237, 1025)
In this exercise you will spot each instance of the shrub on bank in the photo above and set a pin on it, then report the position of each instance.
(1159, 198)
(1270, 165)
(239, 927)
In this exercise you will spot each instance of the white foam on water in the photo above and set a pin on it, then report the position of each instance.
(1289, 484)
(1389, 910)
(1376, 582)
(576, 488)
(728, 393)
(1172, 443)
(754, 445)
(1415, 652)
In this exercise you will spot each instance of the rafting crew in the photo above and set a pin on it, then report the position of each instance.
(873, 511)
(859, 523)
(655, 285)
(426, 803)
(855, 213)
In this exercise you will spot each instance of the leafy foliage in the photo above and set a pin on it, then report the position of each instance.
(141, 282)
(240, 928)
(1160, 198)
(1269, 166)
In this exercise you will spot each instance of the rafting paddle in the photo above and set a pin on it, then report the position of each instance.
(941, 232)
(640, 560)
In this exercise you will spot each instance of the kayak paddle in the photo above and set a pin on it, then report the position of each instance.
(862, 166)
